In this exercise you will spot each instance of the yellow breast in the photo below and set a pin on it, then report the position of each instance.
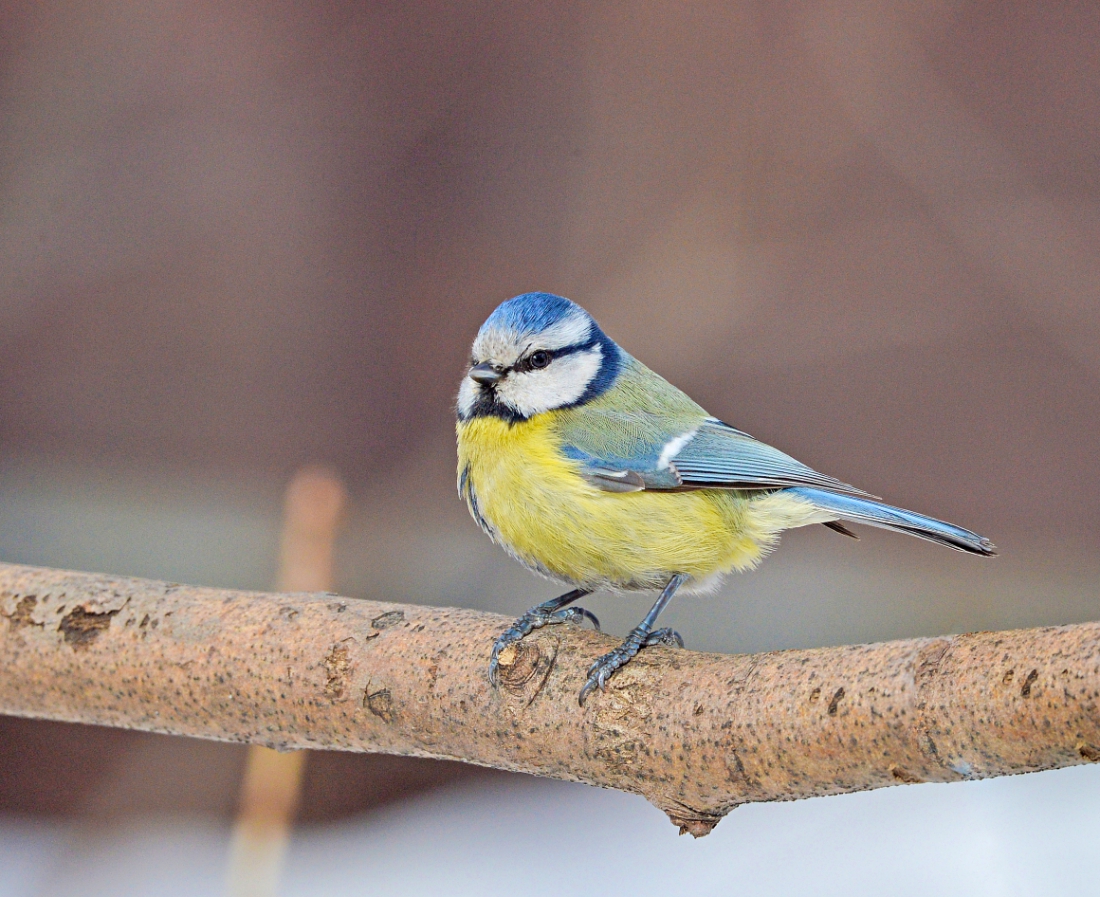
(533, 501)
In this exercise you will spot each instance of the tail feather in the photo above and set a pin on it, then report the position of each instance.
(872, 513)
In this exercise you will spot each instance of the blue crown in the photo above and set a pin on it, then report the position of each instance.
(532, 312)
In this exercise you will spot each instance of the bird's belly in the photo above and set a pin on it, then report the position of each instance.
(532, 500)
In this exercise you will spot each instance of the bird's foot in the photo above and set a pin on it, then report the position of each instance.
(547, 614)
(606, 667)
(670, 638)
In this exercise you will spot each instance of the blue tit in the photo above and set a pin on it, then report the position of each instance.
(591, 469)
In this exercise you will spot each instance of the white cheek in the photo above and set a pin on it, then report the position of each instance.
(565, 381)
(467, 395)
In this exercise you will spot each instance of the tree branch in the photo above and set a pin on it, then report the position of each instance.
(696, 734)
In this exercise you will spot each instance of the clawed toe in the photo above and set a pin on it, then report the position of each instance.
(578, 615)
(546, 614)
(557, 611)
(670, 638)
(607, 666)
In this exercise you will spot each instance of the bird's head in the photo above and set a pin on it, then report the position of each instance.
(537, 352)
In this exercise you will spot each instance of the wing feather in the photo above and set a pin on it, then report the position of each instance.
(710, 455)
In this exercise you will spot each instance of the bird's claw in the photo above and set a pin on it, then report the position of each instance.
(578, 615)
(535, 618)
(670, 638)
(600, 673)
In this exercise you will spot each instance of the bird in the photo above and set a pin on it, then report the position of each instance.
(591, 469)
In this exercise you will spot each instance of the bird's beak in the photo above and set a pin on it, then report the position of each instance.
(485, 374)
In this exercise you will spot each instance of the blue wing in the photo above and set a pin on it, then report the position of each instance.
(708, 455)
(720, 456)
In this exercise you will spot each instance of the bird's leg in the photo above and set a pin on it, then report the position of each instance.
(553, 611)
(641, 636)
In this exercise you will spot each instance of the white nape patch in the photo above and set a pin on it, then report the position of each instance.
(467, 395)
(560, 384)
(673, 447)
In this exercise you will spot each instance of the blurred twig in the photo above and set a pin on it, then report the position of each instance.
(312, 510)
(696, 734)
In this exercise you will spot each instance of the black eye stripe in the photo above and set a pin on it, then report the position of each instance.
(570, 350)
(524, 364)
(527, 363)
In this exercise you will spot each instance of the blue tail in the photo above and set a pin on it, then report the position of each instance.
(873, 513)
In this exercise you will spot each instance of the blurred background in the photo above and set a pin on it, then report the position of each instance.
(238, 238)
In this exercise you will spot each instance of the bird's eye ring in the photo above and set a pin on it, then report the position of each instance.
(539, 359)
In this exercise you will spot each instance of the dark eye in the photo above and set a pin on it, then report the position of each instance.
(539, 359)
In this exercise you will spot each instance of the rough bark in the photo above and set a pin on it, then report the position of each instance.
(696, 734)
